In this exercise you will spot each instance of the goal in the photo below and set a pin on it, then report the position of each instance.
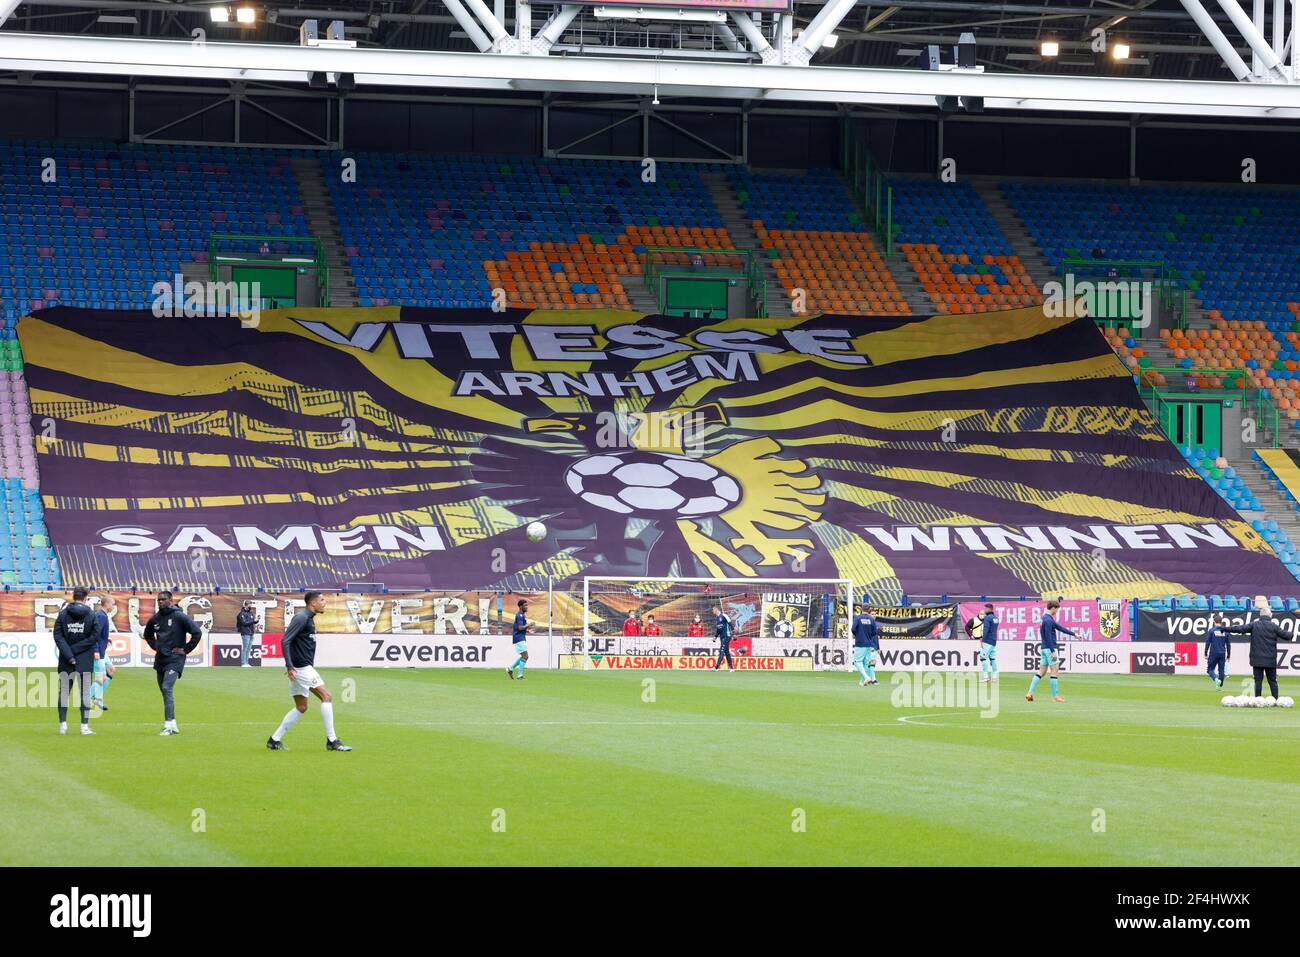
(778, 618)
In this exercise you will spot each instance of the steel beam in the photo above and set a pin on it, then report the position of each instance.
(772, 83)
(1268, 64)
(1257, 20)
(1222, 46)
(757, 42)
(502, 42)
(524, 25)
(827, 19)
(551, 31)
(7, 7)
(469, 25)
(732, 42)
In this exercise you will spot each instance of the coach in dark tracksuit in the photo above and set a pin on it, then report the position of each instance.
(75, 636)
(166, 634)
(722, 625)
(1218, 650)
(1264, 635)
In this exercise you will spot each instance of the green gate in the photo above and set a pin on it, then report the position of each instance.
(1191, 420)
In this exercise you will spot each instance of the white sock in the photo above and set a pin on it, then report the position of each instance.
(327, 718)
(289, 721)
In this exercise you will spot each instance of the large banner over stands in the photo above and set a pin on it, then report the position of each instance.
(1194, 624)
(997, 453)
(1104, 620)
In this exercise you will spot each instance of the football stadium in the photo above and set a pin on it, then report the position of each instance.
(708, 432)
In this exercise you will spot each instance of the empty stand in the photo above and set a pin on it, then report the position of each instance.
(115, 220)
(817, 241)
(444, 231)
(950, 239)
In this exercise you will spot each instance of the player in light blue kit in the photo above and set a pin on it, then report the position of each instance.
(989, 644)
(1048, 658)
(516, 671)
(866, 646)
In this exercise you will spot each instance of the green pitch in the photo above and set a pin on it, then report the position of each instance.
(468, 767)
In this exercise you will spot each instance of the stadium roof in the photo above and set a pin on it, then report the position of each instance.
(873, 59)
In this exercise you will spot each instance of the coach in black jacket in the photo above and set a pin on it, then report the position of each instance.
(246, 623)
(75, 635)
(166, 632)
(1264, 635)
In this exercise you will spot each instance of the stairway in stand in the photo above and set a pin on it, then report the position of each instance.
(741, 231)
(324, 225)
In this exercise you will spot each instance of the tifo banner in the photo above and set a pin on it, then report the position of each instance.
(916, 621)
(1194, 624)
(1104, 620)
(999, 453)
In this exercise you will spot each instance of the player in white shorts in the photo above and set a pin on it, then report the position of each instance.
(300, 658)
(305, 680)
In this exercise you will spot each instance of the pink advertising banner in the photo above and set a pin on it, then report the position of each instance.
(1106, 619)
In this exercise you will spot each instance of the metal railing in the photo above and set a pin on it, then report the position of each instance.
(868, 186)
(1256, 403)
(661, 263)
(264, 253)
(1173, 296)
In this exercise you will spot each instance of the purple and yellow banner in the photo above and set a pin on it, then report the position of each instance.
(1003, 453)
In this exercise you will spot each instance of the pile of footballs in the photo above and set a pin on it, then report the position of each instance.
(1248, 701)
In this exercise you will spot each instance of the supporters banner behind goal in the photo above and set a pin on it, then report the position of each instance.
(770, 618)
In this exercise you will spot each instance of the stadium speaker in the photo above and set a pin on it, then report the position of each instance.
(317, 81)
(947, 104)
(972, 104)
(335, 30)
(348, 81)
(308, 32)
(965, 51)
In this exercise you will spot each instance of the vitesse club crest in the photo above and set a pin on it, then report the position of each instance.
(785, 616)
(1109, 611)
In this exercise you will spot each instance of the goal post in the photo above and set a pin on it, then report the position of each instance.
(800, 620)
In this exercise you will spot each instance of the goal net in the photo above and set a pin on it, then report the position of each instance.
(803, 622)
